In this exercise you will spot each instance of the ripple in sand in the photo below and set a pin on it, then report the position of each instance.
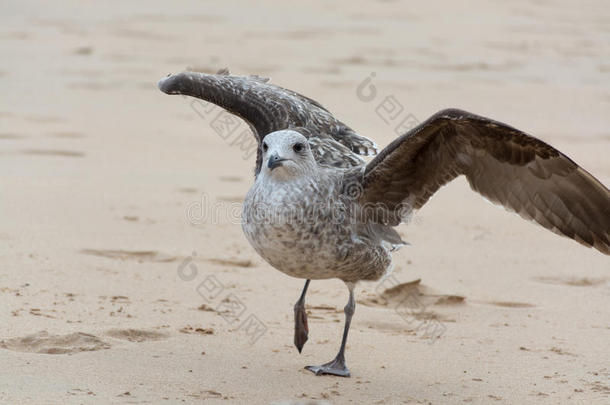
(296, 34)
(560, 351)
(231, 263)
(207, 394)
(324, 308)
(66, 134)
(236, 199)
(230, 179)
(44, 343)
(339, 84)
(20, 35)
(53, 152)
(187, 190)
(331, 70)
(475, 66)
(10, 136)
(91, 85)
(351, 60)
(571, 281)
(139, 255)
(132, 33)
(43, 118)
(136, 335)
(450, 300)
(188, 329)
(508, 304)
(83, 50)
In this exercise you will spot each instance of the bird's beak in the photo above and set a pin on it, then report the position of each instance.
(274, 161)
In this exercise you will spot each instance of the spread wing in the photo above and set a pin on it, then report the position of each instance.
(505, 165)
(268, 108)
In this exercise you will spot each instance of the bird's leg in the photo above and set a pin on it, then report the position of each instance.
(301, 329)
(337, 365)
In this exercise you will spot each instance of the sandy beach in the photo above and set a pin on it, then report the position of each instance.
(121, 249)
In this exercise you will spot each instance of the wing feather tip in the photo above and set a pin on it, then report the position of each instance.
(162, 84)
(602, 246)
(170, 84)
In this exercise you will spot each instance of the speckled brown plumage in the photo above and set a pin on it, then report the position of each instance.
(267, 108)
(505, 165)
(316, 210)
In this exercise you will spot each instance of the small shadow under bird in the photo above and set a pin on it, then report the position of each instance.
(318, 210)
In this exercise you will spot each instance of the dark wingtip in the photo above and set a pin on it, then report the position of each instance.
(169, 84)
(180, 83)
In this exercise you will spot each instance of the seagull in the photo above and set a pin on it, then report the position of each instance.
(317, 210)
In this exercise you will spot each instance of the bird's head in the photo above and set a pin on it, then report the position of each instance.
(286, 155)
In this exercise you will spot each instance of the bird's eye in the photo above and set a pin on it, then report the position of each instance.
(298, 147)
(265, 147)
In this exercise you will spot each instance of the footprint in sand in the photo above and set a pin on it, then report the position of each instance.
(413, 300)
(136, 335)
(44, 343)
(412, 292)
(420, 297)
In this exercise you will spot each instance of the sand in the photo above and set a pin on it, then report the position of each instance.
(124, 274)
